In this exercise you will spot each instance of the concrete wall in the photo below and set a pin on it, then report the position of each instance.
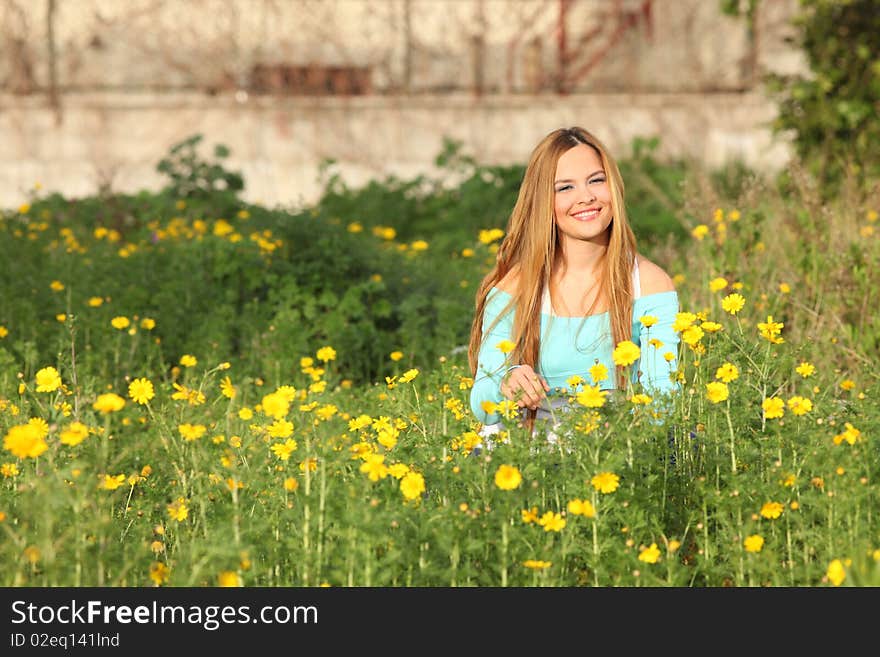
(117, 139)
(124, 80)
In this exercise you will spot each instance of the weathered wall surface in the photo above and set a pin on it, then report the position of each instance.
(94, 92)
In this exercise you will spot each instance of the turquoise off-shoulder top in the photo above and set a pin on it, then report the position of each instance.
(572, 345)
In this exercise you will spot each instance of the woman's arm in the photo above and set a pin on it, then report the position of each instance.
(491, 366)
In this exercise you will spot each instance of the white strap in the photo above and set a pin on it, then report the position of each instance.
(637, 285)
(547, 306)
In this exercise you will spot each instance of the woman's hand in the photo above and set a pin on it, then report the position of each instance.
(524, 386)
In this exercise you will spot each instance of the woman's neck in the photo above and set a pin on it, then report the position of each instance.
(579, 258)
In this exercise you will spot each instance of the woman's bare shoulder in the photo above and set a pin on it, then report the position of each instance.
(509, 282)
(653, 278)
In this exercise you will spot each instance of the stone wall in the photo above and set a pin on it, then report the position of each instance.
(94, 92)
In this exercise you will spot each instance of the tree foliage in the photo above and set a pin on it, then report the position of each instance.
(833, 112)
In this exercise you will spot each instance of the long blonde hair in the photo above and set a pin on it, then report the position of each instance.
(529, 248)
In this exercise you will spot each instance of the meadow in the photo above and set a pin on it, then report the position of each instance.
(199, 391)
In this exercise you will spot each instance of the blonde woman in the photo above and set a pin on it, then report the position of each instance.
(567, 287)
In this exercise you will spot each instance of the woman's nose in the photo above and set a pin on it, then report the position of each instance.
(587, 195)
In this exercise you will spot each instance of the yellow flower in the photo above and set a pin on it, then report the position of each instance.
(505, 346)
(111, 482)
(226, 388)
(591, 397)
(245, 413)
(598, 372)
(727, 373)
(193, 397)
(711, 327)
(3, 332)
(409, 375)
(529, 515)
(579, 507)
(753, 543)
(374, 467)
(191, 432)
(188, 360)
(770, 330)
(507, 477)
(640, 399)
(141, 390)
(289, 392)
(419, 245)
(285, 449)
(355, 227)
(25, 441)
(784, 288)
(491, 235)
(700, 231)
(650, 554)
(148, 323)
(552, 521)
(229, 579)
(412, 485)
(275, 405)
(851, 435)
(625, 353)
(326, 354)
(805, 369)
(108, 403)
(847, 384)
(9, 470)
(74, 434)
(773, 407)
(388, 437)
(120, 322)
(605, 482)
(772, 510)
(40, 425)
(836, 572)
(717, 284)
(395, 355)
(48, 380)
(536, 564)
(326, 412)
(692, 335)
(800, 405)
(280, 428)
(648, 320)
(178, 510)
(159, 573)
(683, 320)
(733, 303)
(94, 302)
(717, 391)
(291, 485)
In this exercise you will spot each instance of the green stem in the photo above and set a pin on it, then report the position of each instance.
(504, 546)
(732, 438)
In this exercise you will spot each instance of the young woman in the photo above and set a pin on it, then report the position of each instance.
(568, 286)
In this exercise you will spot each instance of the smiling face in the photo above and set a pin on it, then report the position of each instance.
(582, 196)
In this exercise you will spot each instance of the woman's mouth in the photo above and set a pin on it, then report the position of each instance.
(586, 215)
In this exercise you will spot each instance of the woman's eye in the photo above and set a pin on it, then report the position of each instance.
(597, 180)
(563, 188)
